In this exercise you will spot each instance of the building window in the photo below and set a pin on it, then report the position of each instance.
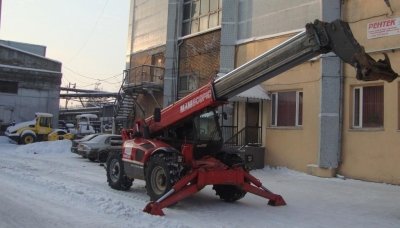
(200, 15)
(8, 87)
(287, 109)
(368, 107)
(188, 82)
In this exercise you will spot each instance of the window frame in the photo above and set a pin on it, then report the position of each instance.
(360, 125)
(360, 107)
(275, 104)
(186, 31)
(192, 82)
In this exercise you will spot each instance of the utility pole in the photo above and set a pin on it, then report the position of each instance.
(70, 85)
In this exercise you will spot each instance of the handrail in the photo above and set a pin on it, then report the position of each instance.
(143, 74)
(246, 136)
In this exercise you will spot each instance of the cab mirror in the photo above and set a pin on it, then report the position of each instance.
(157, 115)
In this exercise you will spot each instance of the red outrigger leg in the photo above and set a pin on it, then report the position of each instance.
(210, 171)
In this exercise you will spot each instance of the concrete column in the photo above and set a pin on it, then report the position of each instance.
(330, 106)
(330, 113)
(171, 54)
(130, 34)
(230, 9)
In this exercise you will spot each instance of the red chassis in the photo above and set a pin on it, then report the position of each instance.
(205, 171)
(210, 171)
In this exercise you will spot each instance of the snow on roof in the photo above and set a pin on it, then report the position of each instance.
(29, 53)
(43, 114)
(257, 92)
(91, 116)
(28, 68)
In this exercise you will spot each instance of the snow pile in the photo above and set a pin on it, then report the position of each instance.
(51, 147)
(4, 140)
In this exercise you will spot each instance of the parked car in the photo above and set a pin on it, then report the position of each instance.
(99, 147)
(75, 142)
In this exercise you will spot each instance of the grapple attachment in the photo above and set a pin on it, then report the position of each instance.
(338, 38)
(370, 70)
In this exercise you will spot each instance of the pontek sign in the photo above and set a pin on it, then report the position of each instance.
(388, 27)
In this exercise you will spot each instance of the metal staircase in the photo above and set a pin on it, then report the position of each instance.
(124, 105)
(137, 80)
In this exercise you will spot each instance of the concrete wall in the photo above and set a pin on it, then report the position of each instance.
(259, 18)
(38, 79)
(372, 154)
(15, 57)
(148, 24)
(31, 48)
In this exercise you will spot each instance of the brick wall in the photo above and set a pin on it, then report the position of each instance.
(199, 57)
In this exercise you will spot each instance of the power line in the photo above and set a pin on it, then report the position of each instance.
(90, 34)
(92, 78)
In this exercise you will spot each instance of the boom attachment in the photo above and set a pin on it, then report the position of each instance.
(319, 38)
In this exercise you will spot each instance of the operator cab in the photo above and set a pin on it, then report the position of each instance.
(201, 130)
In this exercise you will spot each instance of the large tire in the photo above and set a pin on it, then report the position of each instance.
(229, 193)
(27, 138)
(161, 175)
(116, 176)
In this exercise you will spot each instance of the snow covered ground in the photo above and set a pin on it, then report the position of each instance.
(45, 185)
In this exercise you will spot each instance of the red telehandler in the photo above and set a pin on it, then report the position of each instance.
(179, 150)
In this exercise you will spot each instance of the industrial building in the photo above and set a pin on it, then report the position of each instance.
(316, 118)
(29, 82)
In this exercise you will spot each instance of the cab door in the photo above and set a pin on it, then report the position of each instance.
(43, 125)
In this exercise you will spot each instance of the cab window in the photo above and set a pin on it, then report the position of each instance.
(44, 122)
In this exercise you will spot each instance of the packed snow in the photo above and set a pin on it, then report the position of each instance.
(45, 185)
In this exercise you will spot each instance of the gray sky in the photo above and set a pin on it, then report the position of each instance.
(89, 37)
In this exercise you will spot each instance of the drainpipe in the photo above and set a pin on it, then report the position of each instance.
(173, 27)
(331, 97)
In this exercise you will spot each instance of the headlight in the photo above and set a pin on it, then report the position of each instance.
(83, 147)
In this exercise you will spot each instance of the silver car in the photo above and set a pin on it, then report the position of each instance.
(98, 148)
(75, 142)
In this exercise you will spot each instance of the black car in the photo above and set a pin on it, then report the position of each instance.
(99, 147)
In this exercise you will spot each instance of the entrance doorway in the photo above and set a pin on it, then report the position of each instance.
(252, 123)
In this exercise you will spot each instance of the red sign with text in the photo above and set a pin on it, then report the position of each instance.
(388, 27)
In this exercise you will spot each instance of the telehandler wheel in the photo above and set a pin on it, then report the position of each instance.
(229, 193)
(116, 177)
(161, 175)
(27, 138)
